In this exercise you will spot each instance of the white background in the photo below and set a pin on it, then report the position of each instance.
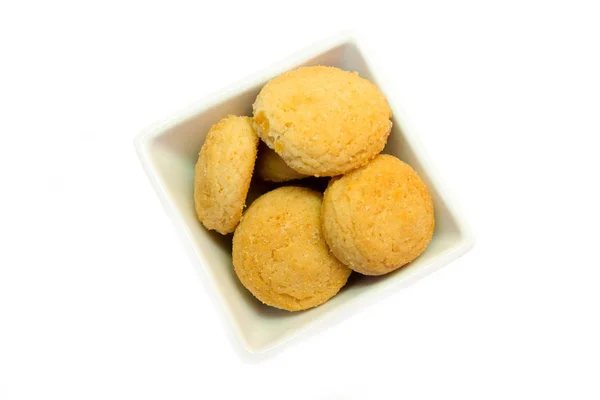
(99, 301)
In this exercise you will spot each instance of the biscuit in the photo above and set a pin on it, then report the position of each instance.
(279, 253)
(379, 217)
(271, 167)
(223, 173)
(322, 121)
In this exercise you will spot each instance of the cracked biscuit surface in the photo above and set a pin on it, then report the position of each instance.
(323, 121)
(279, 253)
(223, 173)
(379, 217)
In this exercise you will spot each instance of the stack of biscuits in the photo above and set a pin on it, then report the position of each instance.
(295, 247)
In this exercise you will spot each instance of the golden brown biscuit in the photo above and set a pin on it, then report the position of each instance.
(322, 121)
(223, 172)
(379, 217)
(271, 167)
(279, 253)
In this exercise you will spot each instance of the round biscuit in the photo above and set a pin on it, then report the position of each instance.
(271, 167)
(379, 217)
(223, 173)
(279, 253)
(322, 121)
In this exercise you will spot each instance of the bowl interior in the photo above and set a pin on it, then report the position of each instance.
(173, 153)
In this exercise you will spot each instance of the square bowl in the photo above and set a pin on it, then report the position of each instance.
(169, 151)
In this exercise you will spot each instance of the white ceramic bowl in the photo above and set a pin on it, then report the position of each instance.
(169, 151)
